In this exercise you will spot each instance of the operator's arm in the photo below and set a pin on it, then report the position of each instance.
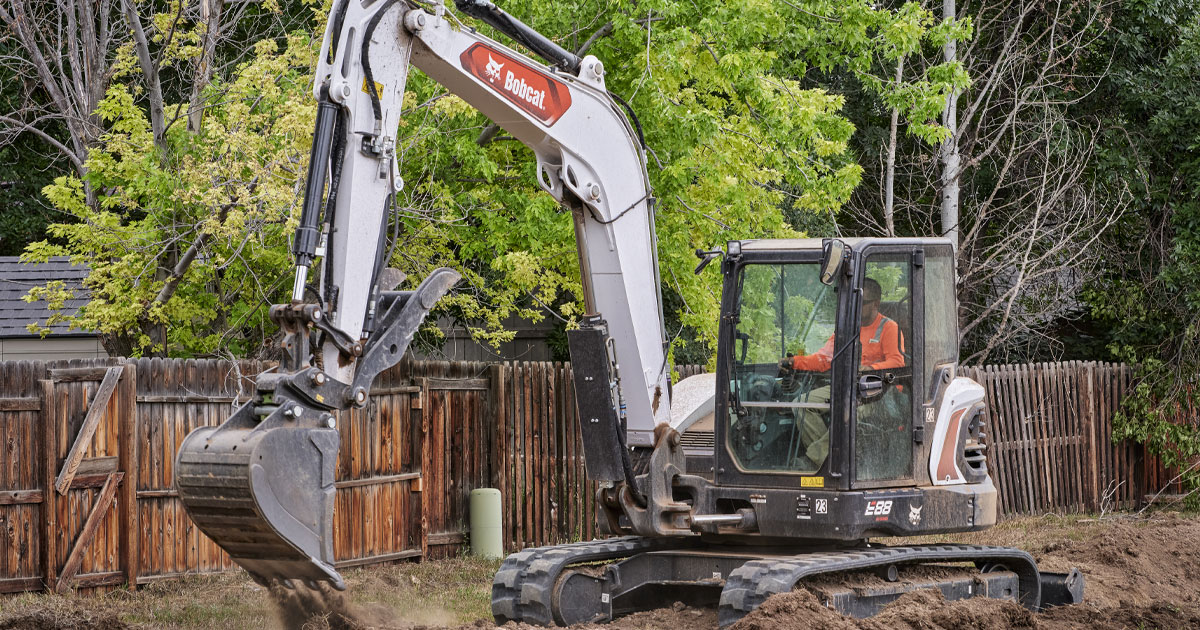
(893, 355)
(818, 361)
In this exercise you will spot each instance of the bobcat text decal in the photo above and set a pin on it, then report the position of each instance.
(527, 88)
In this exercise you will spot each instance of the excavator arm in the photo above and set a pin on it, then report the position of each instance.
(261, 484)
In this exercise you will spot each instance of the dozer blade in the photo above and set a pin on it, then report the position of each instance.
(264, 492)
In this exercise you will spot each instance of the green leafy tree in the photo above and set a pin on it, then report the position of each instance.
(219, 200)
(1147, 303)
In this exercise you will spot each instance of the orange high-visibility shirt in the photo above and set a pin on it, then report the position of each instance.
(881, 343)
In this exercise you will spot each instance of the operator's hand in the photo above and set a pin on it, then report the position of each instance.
(786, 364)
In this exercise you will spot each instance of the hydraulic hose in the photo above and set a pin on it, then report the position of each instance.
(487, 12)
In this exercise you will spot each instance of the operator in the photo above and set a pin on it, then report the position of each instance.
(882, 348)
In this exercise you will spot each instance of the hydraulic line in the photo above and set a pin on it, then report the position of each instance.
(487, 12)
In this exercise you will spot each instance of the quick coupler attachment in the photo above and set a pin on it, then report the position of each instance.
(261, 486)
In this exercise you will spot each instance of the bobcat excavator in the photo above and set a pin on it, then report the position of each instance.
(762, 480)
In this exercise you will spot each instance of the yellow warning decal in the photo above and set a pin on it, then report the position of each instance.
(812, 482)
(378, 87)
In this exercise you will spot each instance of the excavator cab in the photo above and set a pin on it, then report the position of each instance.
(835, 393)
(821, 350)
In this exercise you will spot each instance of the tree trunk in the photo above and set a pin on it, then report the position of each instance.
(890, 177)
(950, 155)
(210, 14)
(149, 67)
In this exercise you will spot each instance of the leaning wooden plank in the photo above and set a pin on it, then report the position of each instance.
(99, 509)
(94, 414)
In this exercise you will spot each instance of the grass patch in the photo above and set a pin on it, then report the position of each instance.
(440, 592)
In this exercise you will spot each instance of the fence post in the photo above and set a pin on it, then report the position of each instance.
(49, 530)
(130, 523)
(1089, 415)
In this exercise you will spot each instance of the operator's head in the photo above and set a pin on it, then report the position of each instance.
(872, 293)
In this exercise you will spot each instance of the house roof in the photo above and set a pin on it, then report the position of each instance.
(17, 278)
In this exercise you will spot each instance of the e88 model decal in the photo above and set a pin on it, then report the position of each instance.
(878, 508)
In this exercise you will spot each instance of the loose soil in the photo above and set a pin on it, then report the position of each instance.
(1142, 572)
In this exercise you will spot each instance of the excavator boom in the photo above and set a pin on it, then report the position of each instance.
(262, 484)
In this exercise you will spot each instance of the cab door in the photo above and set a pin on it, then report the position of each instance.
(888, 349)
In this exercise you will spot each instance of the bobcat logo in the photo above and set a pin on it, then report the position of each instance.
(914, 515)
(493, 68)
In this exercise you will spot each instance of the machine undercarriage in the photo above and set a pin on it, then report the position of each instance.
(600, 580)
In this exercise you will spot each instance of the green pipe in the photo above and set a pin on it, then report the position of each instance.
(486, 524)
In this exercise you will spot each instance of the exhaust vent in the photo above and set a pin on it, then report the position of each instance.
(974, 450)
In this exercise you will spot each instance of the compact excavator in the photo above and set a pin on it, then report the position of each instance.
(722, 489)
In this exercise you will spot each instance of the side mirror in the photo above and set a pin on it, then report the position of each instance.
(833, 252)
(706, 257)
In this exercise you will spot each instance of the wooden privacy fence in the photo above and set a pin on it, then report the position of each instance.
(88, 449)
(1049, 439)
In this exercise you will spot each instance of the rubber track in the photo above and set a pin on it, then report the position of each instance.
(751, 584)
(523, 588)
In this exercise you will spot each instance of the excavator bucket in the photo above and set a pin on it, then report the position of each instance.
(261, 485)
(263, 490)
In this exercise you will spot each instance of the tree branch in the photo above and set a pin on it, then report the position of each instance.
(149, 73)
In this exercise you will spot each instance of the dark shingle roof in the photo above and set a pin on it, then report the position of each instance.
(17, 278)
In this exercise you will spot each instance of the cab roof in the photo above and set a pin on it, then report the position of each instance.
(799, 244)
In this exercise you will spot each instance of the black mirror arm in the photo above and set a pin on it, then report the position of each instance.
(705, 258)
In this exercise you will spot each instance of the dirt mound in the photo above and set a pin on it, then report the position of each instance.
(922, 610)
(799, 609)
(1138, 561)
(928, 610)
(1142, 573)
(1156, 616)
(63, 620)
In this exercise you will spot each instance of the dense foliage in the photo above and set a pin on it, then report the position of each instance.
(223, 195)
(1149, 300)
(199, 215)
